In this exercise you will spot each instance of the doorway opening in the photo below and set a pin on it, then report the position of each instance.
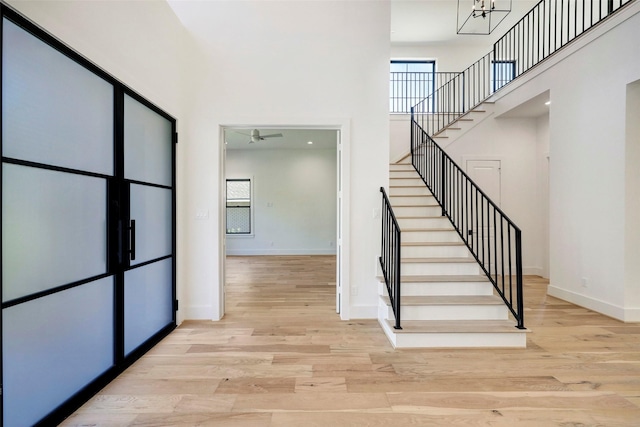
(283, 205)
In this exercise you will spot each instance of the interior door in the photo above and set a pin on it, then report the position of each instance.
(148, 187)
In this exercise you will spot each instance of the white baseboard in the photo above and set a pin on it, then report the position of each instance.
(257, 252)
(596, 305)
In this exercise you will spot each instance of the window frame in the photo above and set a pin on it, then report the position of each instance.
(495, 64)
(401, 103)
(251, 232)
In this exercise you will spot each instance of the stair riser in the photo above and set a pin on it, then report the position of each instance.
(434, 251)
(449, 312)
(404, 174)
(432, 222)
(412, 201)
(445, 288)
(401, 167)
(457, 340)
(414, 181)
(417, 211)
(430, 236)
(439, 268)
(409, 191)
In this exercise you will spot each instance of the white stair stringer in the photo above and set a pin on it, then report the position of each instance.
(446, 300)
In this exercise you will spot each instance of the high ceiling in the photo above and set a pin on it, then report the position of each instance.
(435, 21)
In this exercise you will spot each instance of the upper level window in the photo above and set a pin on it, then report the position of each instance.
(238, 206)
(503, 73)
(410, 82)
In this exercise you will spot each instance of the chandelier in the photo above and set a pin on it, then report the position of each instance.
(490, 12)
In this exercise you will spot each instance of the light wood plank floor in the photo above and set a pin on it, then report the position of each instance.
(282, 357)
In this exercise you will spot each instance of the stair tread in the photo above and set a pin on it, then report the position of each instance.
(444, 278)
(411, 195)
(439, 260)
(457, 326)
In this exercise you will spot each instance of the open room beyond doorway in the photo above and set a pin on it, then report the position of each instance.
(282, 199)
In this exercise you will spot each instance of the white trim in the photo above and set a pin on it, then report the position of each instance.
(340, 124)
(596, 305)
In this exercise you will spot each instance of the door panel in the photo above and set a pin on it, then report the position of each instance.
(54, 346)
(486, 173)
(148, 302)
(50, 220)
(151, 211)
(36, 126)
(147, 144)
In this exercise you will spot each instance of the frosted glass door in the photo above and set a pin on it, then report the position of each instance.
(58, 320)
(148, 169)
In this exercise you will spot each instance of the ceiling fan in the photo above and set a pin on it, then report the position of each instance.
(256, 137)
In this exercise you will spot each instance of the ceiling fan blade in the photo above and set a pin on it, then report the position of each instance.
(273, 135)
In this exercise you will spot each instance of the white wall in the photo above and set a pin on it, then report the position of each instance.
(542, 196)
(315, 64)
(448, 56)
(288, 63)
(294, 201)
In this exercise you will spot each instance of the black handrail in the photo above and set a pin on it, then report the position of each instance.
(390, 256)
(493, 239)
(546, 28)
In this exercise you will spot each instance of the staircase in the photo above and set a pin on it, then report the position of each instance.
(446, 299)
(463, 124)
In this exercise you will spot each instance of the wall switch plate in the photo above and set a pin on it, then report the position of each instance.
(202, 214)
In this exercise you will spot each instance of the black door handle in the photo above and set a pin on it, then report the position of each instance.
(132, 240)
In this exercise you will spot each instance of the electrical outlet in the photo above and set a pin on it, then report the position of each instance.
(585, 282)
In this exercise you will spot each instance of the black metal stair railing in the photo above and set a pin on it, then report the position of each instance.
(493, 239)
(546, 28)
(549, 26)
(390, 256)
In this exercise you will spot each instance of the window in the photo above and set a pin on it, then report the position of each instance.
(503, 73)
(238, 206)
(410, 83)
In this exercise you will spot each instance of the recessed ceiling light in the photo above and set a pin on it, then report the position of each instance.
(310, 142)
(547, 103)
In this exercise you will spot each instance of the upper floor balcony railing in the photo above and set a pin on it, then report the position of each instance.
(407, 88)
(546, 28)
